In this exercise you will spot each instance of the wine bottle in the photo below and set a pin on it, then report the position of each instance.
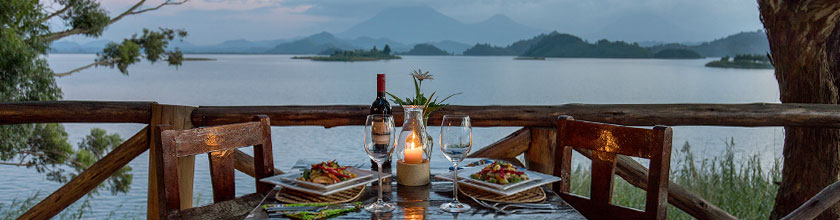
(381, 106)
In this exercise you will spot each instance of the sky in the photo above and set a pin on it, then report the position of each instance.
(214, 21)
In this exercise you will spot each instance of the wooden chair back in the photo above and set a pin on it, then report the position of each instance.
(220, 143)
(606, 142)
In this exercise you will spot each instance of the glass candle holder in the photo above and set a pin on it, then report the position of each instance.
(412, 149)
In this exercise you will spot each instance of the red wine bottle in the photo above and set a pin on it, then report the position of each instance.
(381, 106)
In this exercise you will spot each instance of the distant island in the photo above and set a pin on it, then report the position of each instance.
(199, 59)
(354, 55)
(426, 50)
(556, 44)
(743, 61)
(529, 58)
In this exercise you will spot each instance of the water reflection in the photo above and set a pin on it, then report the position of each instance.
(414, 200)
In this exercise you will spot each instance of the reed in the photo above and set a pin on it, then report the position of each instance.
(742, 188)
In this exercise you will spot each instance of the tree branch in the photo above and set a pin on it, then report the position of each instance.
(97, 63)
(66, 7)
(13, 164)
(131, 11)
(159, 6)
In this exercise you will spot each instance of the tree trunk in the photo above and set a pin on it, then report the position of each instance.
(804, 39)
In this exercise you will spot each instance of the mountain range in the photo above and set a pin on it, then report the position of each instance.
(404, 27)
(754, 42)
(423, 24)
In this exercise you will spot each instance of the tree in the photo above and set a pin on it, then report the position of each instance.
(387, 50)
(25, 37)
(804, 41)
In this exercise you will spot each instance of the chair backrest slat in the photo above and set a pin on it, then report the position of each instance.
(221, 175)
(630, 141)
(606, 142)
(219, 138)
(220, 144)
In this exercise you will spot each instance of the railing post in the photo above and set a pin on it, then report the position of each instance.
(540, 154)
(179, 118)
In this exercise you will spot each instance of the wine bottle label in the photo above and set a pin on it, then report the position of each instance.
(381, 138)
(380, 133)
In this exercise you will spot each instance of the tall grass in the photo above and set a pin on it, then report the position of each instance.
(740, 187)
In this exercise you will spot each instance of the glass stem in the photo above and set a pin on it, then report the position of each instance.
(455, 195)
(379, 175)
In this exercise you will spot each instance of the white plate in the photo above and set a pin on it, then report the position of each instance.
(469, 171)
(277, 180)
(543, 179)
(292, 176)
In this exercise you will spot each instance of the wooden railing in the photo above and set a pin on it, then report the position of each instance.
(535, 140)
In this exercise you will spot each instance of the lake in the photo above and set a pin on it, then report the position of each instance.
(279, 80)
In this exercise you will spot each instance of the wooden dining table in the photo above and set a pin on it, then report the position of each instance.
(423, 202)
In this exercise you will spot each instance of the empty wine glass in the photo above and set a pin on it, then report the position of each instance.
(455, 143)
(379, 145)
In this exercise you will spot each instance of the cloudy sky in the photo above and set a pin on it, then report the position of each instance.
(213, 21)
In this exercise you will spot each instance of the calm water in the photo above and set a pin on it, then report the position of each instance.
(278, 80)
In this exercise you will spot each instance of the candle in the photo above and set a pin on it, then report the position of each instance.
(413, 150)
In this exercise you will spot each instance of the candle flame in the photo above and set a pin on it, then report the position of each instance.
(412, 141)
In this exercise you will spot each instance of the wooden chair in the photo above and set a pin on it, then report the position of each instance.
(220, 144)
(605, 142)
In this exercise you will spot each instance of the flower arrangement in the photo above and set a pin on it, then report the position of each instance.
(430, 104)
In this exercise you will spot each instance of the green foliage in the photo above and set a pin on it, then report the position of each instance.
(387, 50)
(743, 61)
(489, 50)
(25, 76)
(426, 50)
(353, 55)
(17, 207)
(566, 45)
(751, 58)
(430, 104)
(152, 43)
(744, 190)
(86, 15)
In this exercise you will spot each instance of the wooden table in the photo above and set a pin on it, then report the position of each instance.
(423, 202)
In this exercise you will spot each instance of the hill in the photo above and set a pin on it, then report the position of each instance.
(312, 45)
(562, 45)
(489, 50)
(426, 50)
(424, 24)
(741, 43)
(567, 45)
(452, 47)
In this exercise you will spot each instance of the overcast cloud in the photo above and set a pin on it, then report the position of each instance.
(213, 21)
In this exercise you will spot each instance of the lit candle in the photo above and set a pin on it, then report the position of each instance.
(413, 150)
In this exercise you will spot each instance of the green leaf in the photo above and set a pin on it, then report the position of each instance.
(396, 99)
(416, 87)
(450, 96)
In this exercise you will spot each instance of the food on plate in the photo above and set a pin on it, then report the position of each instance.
(500, 173)
(326, 173)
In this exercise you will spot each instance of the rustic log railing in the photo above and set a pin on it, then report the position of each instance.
(535, 140)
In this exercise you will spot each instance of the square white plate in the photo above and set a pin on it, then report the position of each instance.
(543, 179)
(292, 176)
(467, 172)
(349, 184)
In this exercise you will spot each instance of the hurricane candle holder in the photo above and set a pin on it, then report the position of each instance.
(413, 146)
